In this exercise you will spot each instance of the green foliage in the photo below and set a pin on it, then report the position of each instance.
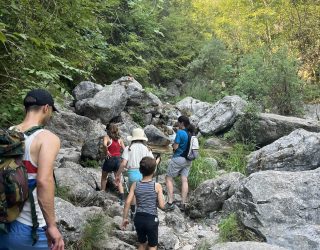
(63, 192)
(137, 117)
(88, 163)
(236, 159)
(201, 170)
(271, 79)
(245, 128)
(94, 232)
(231, 229)
(204, 245)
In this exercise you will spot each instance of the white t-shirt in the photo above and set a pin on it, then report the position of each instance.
(136, 153)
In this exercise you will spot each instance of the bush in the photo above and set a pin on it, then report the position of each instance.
(94, 231)
(90, 163)
(231, 229)
(236, 161)
(245, 128)
(63, 192)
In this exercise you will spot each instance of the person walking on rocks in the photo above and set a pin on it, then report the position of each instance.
(113, 145)
(148, 195)
(179, 165)
(131, 157)
(35, 227)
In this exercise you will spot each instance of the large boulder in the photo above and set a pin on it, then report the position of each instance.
(191, 106)
(281, 207)
(92, 149)
(156, 136)
(74, 129)
(85, 90)
(312, 111)
(271, 127)
(211, 194)
(220, 116)
(297, 151)
(105, 105)
(245, 245)
(71, 219)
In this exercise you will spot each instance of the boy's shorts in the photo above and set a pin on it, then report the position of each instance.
(134, 175)
(178, 166)
(147, 228)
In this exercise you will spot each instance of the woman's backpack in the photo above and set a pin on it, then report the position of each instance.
(192, 151)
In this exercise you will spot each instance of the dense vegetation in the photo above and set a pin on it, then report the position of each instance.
(266, 51)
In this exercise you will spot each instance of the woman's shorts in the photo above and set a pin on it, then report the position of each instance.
(134, 175)
(111, 164)
(147, 228)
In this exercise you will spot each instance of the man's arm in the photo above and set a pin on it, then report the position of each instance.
(49, 148)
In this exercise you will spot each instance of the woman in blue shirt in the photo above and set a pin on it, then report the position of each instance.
(178, 164)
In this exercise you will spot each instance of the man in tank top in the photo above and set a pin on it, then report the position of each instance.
(41, 149)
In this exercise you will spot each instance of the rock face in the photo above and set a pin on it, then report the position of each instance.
(85, 90)
(219, 116)
(312, 111)
(191, 106)
(272, 127)
(282, 207)
(90, 149)
(74, 129)
(156, 136)
(105, 105)
(298, 151)
(245, 245)
(71, 219)
(211, 194)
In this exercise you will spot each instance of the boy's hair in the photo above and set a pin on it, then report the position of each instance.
(147, 166)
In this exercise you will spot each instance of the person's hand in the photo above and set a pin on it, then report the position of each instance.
(108, 155)
(125, 223)
(55, 240)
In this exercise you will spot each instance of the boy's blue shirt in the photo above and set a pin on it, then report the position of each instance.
(182, 140)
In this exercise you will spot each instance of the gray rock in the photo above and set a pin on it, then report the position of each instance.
(130, 237)
(167, 238)
(170, 114)
(105, 105)
(137, 96)
(298, 151)
(156, 136)
(90, 149)
(272, 127)
(191, 106)
(126, 126)
(312, 111)
(74, 129)
(113, 243)
(212, 162)
(282, 207)
(211, 194)
(85, 90)
(176, 221)
(219, 116)
(245, 245)
(68, 154)
(71, 219)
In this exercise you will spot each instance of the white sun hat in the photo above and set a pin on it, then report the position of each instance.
(137, 135)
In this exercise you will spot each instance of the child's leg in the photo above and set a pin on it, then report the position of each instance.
(143, 246)
(152, 248)
(104, 180)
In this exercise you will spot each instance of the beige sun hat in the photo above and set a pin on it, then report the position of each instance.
(137, 135)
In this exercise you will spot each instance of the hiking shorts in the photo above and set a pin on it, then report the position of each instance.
(111, 164)
(134, 175)
(147, 228)
(178, 166)
(19, 238)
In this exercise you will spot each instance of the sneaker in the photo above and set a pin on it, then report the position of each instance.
(168, 207)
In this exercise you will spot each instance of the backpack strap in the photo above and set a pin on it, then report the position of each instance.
(35, 223)
(30, 131)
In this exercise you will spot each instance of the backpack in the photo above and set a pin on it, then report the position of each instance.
(192, 151)
(14, 189)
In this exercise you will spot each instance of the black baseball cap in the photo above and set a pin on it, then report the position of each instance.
(39, 97)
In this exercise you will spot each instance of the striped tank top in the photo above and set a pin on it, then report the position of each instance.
(32, 168)
(146, 196)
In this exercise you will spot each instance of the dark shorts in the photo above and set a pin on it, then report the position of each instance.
(147, 228)
(111, 164)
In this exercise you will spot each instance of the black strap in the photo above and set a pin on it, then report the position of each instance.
(35, 223)
(30, 131)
